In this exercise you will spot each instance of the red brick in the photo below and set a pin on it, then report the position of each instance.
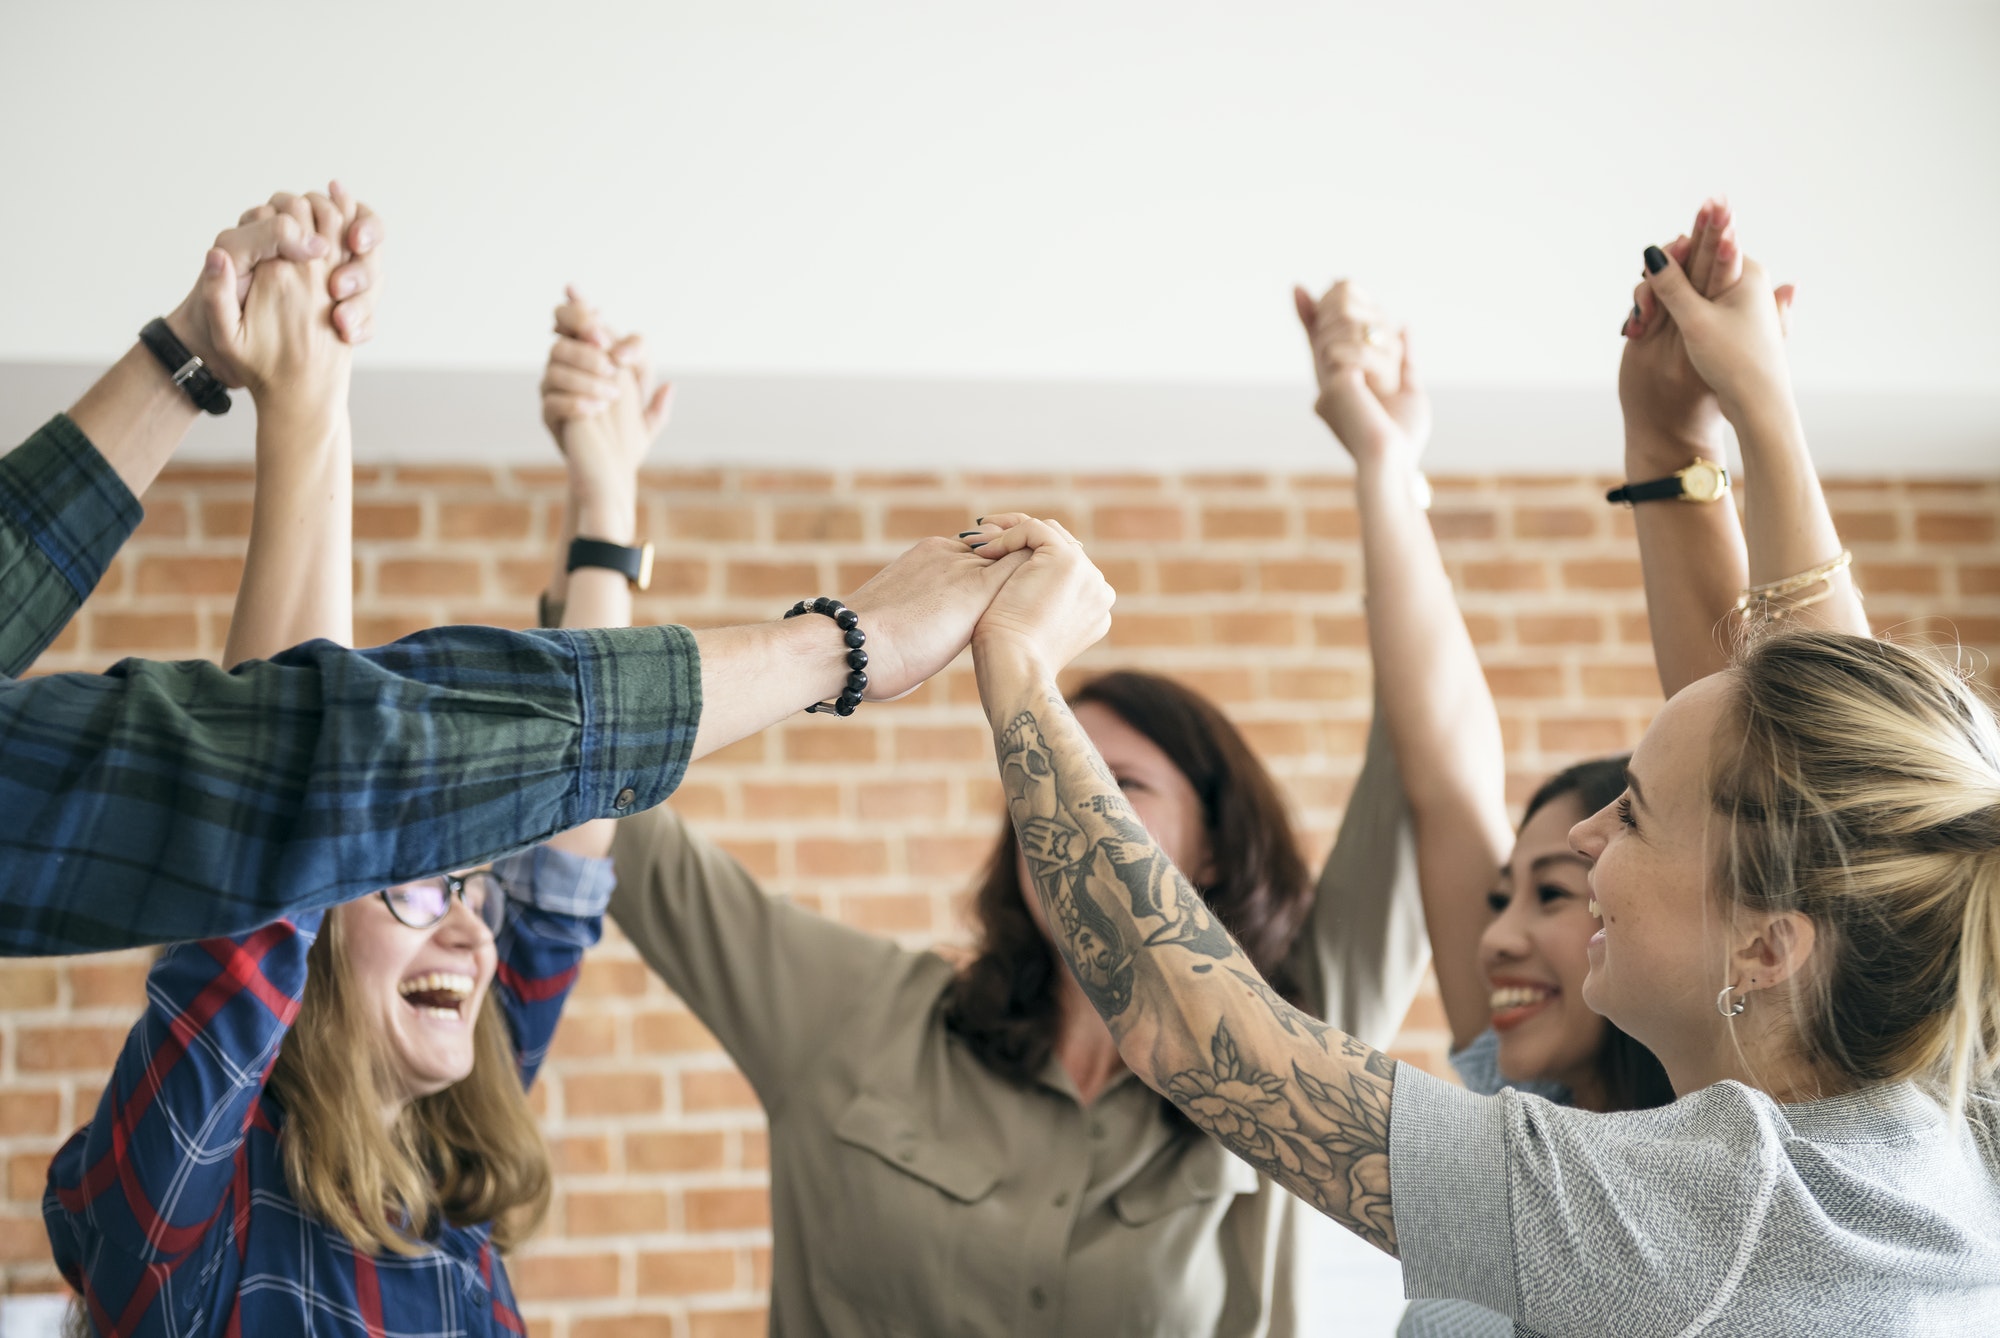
(1342, 629)
(407, 577)
(226, 517)
(946, 857)
(1152, 629)
(830, 741)
(469, 477)
(614, 1212)
(1558, 629)
(1979, 580)
(1596, 736)
(1254, 629)
(1910, 578)
(1454, 524)
(23, 1239)
(758, 858)
(581, 1154)
(892, 800)
(1150, 523)
(485, 522)
(591, 1095)
(784, 480)
(832, 857)
(387, 520)
(1506, 574)
(729, 1323)
(1303, 576)
(110, 983)
(622, 1326)
(1525, 681)
(1867, 526)
(1954, 527)
(1603, 574)
(611, 978)
(1554, 522)
(165, 519)
(1334, 522)
(26, 985)
(711, 524)
(716, 1089)
(904, 523)
(1244, 522)
(772, 580)
(61, 1049)
(23, 1113)
(162, 635)
(584, 1037)
(784, 802)
(556, 1277)
(1621, 680)
(898, 913)
(969, 744)
(686, 1272)
(1201, 577)
(379, 629)
(727, 1209)
(663, 1033)
(817, 524)
(654, 1151)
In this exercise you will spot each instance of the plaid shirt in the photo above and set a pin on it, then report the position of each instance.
(170, 1211)
(159, 802)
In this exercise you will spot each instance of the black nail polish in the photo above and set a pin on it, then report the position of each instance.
(977, 547)
(967, 534)
(1656, 260)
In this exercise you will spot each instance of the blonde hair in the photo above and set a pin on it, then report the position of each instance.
(471, 1153)
(1865, 795)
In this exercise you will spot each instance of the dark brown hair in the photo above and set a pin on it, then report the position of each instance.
(1003, 1003)
(1633, 1079)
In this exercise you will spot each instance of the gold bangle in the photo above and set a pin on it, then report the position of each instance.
(1763, 599)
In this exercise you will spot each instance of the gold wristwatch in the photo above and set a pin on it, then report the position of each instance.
(1703, 481)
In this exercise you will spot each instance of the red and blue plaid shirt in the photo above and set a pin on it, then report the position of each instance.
(170, 1211)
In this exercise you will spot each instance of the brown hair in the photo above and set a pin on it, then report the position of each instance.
(1003, 1003)
(1633, 1078)
(1864, 793)
(471, 1153)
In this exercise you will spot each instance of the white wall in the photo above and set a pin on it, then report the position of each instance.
(1074, 191)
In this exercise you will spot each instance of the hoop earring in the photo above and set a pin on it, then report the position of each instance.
(1727, 1007)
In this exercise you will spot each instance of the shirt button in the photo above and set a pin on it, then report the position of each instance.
(1062, 1198)
(1037, 1298)
(624, 799)
(1097, 1128)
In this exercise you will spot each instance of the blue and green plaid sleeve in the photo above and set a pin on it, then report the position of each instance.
(160, 802)
(64, 513)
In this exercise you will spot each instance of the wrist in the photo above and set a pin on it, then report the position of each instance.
(1651, 453)
(609, 513)
(1009, 671)
(192, 331)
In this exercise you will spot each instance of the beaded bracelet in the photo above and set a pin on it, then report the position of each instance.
(849, 622)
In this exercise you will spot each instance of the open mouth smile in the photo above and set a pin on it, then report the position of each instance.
(1512, 1004)
(439, 994)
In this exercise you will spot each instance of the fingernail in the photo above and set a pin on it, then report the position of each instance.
(979, 520)
(315, 245)
(212, 263)
(345, 287)
(1656, 260)
(978, 546)
(967, 534)
(364, 239)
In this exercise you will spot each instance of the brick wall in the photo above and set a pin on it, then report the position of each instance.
(1246, 586)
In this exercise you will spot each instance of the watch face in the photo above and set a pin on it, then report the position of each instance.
(1703, 481)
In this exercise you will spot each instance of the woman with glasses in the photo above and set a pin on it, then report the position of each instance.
(322, 1126)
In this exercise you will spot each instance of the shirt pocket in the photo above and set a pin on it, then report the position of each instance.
(910, 1204)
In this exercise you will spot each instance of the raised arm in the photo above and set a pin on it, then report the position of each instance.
(1288, 1093)
(1428, 684)
(69, 494)
(1735, 342)
(297, 579)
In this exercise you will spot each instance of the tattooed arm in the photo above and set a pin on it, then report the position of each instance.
(1298, 1100)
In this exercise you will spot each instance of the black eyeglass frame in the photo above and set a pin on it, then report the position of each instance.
(491, 907)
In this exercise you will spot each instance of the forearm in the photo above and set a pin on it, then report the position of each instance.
(1442, 726)
(595, 597)
(298, 581)
(1297, 1099)
(1785, 516)
(1691, 559)
(135, 415)
(752, 677)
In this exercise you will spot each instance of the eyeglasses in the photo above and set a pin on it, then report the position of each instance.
(423, 903)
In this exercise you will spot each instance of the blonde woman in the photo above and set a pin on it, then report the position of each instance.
(1799, 900)
(321, 1126)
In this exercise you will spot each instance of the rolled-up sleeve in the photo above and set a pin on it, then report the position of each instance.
(159, 802)
(557, 881)
(1448, 1182)
(64, 514)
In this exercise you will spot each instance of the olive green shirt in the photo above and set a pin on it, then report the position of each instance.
(916, 1192)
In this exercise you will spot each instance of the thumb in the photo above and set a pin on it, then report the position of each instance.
(1670, 285)
(1409, 368)
(1786, 295)
(216, 290)
(660, 406)
(1308, 309)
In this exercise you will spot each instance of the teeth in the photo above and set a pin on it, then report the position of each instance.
(457, 987)
(1517, 996)
(1595, 913)
(450, 1014)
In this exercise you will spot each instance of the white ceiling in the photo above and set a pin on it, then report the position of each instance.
(1080, 190)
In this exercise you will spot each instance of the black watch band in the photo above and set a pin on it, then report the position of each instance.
(635, 564)
(1652, 491)
(188, 371)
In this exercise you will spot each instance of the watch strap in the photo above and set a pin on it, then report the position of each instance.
(1653, 490)
(187, 369)
(635, 564)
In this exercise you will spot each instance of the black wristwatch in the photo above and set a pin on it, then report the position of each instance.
(1702, 481)
(189, 372)
(635, 564)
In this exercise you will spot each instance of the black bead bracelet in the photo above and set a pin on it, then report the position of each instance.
(849, 623)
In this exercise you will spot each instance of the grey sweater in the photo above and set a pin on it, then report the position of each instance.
(1723, 1213)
